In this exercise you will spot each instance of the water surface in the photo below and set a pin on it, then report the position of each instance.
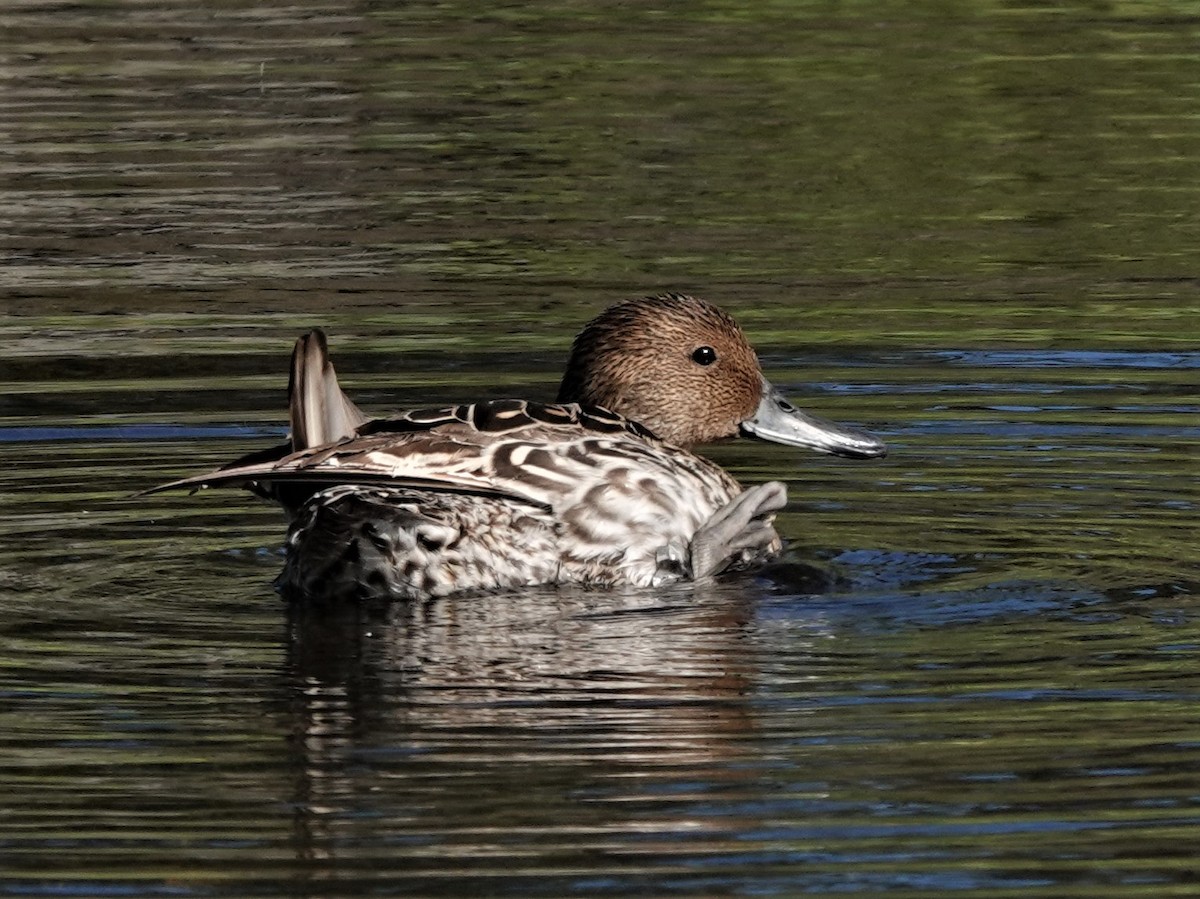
(972, 229)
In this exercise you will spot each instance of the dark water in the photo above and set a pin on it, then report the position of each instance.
(970, 227)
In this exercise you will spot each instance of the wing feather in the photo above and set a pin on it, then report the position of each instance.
(530, 452)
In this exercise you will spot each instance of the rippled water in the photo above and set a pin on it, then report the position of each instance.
(972, 229)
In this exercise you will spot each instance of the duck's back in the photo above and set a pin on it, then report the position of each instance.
(487, 496)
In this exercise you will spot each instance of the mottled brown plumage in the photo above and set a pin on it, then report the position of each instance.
(508, 493)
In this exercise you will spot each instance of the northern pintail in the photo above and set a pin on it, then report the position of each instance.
(599, 488)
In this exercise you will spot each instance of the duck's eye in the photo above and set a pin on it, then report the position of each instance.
(704, 355)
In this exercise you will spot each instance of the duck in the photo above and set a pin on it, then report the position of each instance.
(600, 489)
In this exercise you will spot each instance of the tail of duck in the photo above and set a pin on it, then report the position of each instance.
(318, 409)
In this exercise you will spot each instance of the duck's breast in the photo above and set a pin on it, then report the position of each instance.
(620, 503)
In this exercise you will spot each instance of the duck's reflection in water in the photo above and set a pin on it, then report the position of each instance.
(479, 726)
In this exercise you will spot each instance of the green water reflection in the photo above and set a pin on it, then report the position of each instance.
(969, 226)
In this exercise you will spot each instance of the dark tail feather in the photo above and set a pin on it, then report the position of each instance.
(319, 411)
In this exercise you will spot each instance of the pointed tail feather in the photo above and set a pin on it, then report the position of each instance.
(319, 411)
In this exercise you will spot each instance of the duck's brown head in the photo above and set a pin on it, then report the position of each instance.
(684, 369)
